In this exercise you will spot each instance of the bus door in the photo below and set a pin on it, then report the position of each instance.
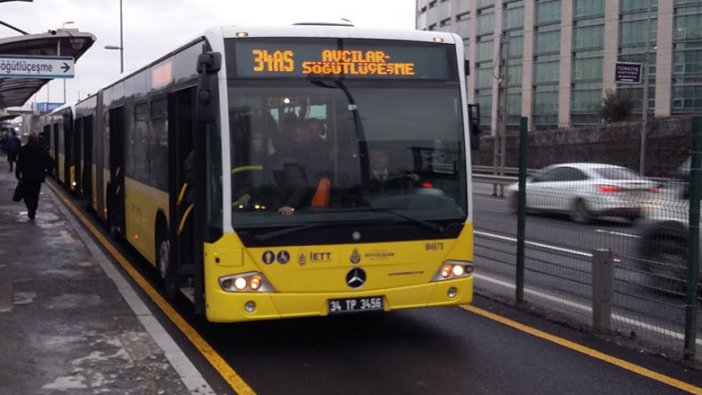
(67, 142)
(76, 158)
(87, 174)
(181, 122)
(46, 135)
(55, 149)
(46, 139)
(115, 188)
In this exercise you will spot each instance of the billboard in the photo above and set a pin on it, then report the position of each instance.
(627, 73)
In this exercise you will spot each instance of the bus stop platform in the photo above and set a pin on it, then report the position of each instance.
(69, 321)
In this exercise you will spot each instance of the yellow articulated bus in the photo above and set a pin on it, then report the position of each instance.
(306, 170)
(58, 132)
(68, 130)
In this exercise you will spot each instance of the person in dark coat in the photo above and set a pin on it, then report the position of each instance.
(12, 147)
(268, 179)
(382, 180)
(33, 164)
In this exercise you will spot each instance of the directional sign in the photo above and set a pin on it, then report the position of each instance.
(18, 66)
(46, 107)
(629, 73)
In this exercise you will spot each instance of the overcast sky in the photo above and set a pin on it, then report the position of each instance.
(154, 27)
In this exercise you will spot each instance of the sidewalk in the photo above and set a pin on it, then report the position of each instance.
(67, 317)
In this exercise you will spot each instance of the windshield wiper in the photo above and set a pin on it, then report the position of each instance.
(282, 232)
(421, 222)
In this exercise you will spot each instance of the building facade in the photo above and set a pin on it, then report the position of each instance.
(558, 56)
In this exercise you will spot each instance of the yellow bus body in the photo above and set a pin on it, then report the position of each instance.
(105, 182)
(141, 205)
(72, 184)
(400, 272)
(93, 187)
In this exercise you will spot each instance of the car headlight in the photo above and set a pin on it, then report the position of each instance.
(245, 282)
(452, 269)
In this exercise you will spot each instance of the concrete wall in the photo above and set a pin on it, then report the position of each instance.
(667, 144)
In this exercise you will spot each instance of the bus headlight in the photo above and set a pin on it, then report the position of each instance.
(453, 269)
(245, 282)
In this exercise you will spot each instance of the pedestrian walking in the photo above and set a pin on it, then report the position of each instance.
(33, 164)
(12, 147)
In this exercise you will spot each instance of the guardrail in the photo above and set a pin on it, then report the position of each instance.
(483, 174)
(493, 179)
(487, 169)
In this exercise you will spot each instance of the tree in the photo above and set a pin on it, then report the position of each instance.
(616, 105)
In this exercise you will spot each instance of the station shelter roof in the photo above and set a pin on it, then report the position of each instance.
(70, 42)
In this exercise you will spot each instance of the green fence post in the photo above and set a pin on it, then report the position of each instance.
(521, 207)
(694, 240)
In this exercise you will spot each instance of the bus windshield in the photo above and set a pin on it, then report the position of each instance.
(311, 151)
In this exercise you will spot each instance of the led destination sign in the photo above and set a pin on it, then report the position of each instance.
(257, 58)
(333, 62)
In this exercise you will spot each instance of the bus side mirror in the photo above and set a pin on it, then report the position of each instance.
(466, 66)
(474, 126)
(208, 64)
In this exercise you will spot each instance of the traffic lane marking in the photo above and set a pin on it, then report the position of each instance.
(586, 350)
(218, 363)
(534, 244)
(622, 234)
(539, 245)
(587, 309)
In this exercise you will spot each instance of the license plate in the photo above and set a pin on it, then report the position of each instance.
(370, 303)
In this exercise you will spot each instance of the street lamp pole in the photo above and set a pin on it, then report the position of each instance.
(58, 53)
(121, 41)
(644, 106)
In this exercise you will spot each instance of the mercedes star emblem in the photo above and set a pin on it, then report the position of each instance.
(355, 278)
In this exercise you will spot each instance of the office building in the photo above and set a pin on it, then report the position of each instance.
(559, 55)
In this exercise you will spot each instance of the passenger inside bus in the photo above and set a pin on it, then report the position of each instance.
(384, 179)
(268, 180)
(310, 152)
(317, 128)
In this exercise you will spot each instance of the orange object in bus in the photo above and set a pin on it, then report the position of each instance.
(321, 195)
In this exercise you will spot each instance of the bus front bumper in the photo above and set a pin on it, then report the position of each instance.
(224, 306)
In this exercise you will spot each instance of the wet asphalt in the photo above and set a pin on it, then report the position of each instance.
(66, 329)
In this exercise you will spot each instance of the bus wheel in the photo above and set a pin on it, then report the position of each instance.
(163, 262)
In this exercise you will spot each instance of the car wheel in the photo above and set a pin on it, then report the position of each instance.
(669, 267)
(580, 213)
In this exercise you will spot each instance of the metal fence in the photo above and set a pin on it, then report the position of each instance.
(598, 246)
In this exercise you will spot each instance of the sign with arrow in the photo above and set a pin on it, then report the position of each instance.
(20, 66)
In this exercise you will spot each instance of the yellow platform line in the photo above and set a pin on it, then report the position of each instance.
(587, 351)
(217, 362)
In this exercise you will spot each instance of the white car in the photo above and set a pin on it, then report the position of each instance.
(586, 190)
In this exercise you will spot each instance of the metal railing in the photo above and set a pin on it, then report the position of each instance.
(547, 262)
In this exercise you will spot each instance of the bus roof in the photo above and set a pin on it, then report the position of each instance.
(332, 31)
(307, 30)
(60, 109)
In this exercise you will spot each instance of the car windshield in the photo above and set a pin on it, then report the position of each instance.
(306, 152)
(617, 173)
